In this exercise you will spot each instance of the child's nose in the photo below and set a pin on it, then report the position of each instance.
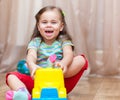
(49, 24)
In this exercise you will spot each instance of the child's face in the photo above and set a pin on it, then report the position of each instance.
(50, 25)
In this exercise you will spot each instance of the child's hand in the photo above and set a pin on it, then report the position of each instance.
(62, 66)
(34, 70)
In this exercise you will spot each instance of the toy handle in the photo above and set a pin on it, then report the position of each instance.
(51, 60)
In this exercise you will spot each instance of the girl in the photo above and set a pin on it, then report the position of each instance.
(50, 37)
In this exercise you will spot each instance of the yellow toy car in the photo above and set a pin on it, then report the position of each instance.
(49, 85)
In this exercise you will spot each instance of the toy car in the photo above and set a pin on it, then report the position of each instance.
(49, 85)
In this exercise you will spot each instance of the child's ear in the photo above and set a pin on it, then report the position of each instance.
(62, 26)
(38, 26)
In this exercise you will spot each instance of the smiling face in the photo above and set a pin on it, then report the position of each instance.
(49, 25)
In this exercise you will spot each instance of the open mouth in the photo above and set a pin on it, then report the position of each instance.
(49, 33)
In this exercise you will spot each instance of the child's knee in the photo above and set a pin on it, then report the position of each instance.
(81, 60)
(9, 78)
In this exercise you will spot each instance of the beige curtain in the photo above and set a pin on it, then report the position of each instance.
(93, 25)
(16, 26)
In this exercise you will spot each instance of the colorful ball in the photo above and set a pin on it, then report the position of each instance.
(22, 67)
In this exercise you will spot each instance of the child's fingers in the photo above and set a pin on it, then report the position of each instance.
(33, 71)
(57, 64)
(64, 69)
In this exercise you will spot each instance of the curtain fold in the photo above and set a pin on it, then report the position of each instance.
(16, 25)
(93, 26)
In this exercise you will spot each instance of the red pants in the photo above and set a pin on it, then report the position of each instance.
(69, 82)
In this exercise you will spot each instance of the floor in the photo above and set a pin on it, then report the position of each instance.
(90, 88)
(97, 88)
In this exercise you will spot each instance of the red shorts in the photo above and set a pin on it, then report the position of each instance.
(69, 82)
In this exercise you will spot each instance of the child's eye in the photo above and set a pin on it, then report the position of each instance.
(54, 22)
(44, 22)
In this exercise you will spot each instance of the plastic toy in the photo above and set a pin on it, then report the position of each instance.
(49, 85)
(49, 82)
(22, 67)
(51, 60)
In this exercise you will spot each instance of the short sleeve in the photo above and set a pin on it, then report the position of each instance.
(67, 42)
(34, 43)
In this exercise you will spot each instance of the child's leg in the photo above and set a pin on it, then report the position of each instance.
(72, 81)
(14, 82)
(20, 84)
(24, 81)
(76, 66)
(20, 94)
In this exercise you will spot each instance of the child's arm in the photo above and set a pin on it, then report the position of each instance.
(31, 61)
(67, 58)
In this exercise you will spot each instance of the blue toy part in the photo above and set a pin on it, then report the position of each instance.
(22, 67)
(49, 94)
(50, 99)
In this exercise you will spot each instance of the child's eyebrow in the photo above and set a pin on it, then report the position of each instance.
(54, 20)
(50, 20)
(43, 20)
